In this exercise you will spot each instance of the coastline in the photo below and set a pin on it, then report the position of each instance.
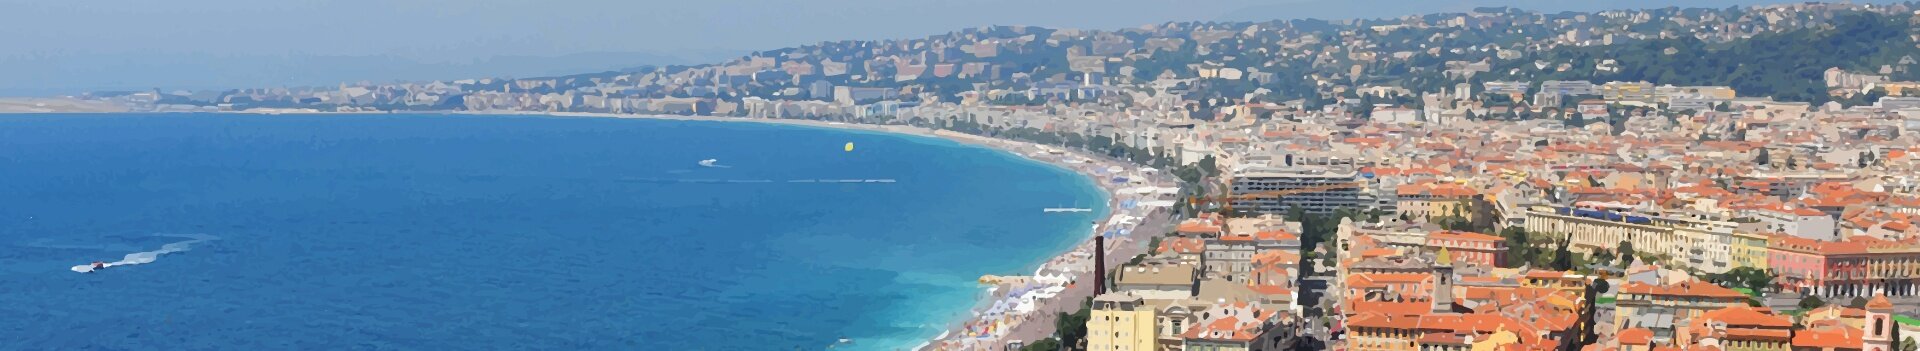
(980, 328)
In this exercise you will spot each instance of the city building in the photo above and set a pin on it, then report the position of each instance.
(1664, 308)
(1470, 248)
(1241, 326)
(1436, 200)
(1121, 322)
(1157, 281)
(1319, 190)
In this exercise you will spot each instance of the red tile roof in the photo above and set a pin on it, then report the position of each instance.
(1636, 336)
(1743, 316)
(1464, 236)
(1693, 288)
(1183, 245)
(1879, 303)
(1825, 335)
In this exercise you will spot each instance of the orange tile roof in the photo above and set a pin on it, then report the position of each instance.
(1436, 189)
(1879, 302)
(1443, 338)
(1183, 245)
(1198, 227)
(1225, 328)
(1275, 257)
(1464, 236)
(1693, 288)
(1378, 252)
(1390, 308)
(1374, 279)
(1636, 336)
(1828, 335)
(1276, 234)
(1270, 289)
(1538, 274)
(1842, 311)
(1747, 317)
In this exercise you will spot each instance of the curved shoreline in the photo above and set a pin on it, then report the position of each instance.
(1033, 327)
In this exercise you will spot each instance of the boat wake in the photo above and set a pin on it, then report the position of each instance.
(149, 256)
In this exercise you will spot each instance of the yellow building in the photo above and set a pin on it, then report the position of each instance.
(1121, 322)
(1434, 200)
(1573, 284)
(1749, 250)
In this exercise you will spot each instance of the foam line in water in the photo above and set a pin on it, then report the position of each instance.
(150, 256)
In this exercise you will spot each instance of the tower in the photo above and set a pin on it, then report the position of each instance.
(1099, 264)
(1880, 325)
(1443, 282)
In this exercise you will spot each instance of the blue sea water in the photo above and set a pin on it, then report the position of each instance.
(504, 232)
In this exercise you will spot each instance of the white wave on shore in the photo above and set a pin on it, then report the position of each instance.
(150, 256)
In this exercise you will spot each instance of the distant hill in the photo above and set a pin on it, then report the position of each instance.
(105, 72)
(1788, 66)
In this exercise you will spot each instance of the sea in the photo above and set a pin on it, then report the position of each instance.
(464, 232)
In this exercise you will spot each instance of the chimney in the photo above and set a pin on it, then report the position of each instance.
(1099, 264)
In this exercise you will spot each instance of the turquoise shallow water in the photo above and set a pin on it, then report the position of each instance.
(470, 232)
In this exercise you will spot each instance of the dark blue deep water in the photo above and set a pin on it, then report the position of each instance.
(472, 233)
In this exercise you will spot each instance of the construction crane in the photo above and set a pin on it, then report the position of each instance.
(1227, 200)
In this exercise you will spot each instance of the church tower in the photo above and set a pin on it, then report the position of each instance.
(1880, 325)
(1443, 282)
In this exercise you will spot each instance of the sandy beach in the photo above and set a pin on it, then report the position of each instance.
(1024, 309)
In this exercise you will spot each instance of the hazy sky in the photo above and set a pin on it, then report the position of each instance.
(57, 46)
